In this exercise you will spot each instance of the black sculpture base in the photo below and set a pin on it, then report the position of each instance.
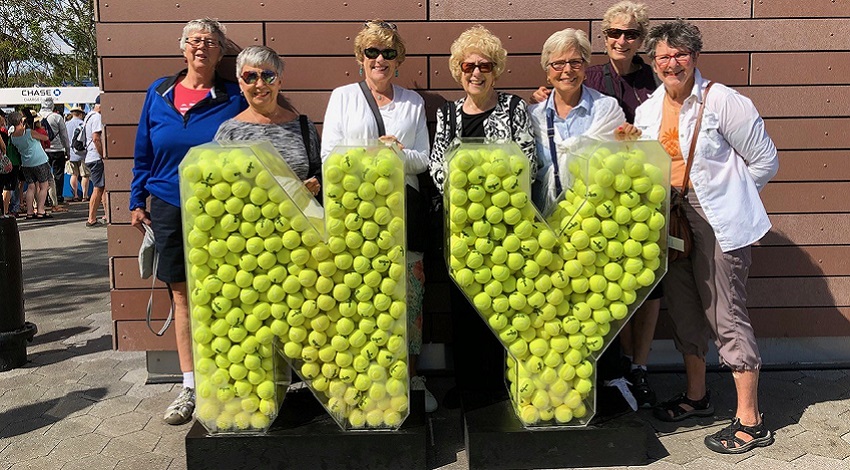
(495, 439)
(304, 436)
(13, 346)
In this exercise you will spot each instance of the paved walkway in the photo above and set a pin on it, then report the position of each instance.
(79, 404)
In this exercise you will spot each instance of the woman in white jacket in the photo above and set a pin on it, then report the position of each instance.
(571, 111)
(706, 292)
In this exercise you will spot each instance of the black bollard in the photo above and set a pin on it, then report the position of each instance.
(14, 331)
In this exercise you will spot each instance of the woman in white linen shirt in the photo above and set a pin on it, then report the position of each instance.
(706, 292)
(380, 52)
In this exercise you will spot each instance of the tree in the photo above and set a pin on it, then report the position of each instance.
(47, 42)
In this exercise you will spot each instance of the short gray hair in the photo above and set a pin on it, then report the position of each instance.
(678, 34)
(205, 25)
(255, 56)
(562, 41)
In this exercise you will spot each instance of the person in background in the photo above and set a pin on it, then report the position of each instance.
(34, 165)
(477, 60)
(93, 128)
(80, 173)
(12, 183)
(626, 77)
(58, 151)
(179, 112)
(380, 52)
(706, 292)
(259, 71)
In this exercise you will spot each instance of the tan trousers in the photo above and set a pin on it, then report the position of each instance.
(706, 296)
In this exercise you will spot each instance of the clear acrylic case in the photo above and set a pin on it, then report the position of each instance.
(556, 292)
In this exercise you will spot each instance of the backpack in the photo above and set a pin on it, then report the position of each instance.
(51, 134)
(78, 142)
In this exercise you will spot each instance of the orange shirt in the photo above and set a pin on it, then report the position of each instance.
(669, 138)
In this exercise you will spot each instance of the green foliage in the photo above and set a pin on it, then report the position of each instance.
(47, 42)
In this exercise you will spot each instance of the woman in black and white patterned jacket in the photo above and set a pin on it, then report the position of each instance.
(477, 61)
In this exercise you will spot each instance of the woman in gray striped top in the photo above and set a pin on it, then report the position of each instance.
(259, 71)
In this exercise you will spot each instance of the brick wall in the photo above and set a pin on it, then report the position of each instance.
(791, 58)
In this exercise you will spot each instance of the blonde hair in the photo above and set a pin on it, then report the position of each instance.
(477, 39)
(562, 41)
(629, 11)
(379, 32)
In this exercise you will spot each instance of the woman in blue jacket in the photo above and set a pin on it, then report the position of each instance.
(180, 112)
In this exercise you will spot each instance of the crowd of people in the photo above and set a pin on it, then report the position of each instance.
(624, 98)
(41, 151)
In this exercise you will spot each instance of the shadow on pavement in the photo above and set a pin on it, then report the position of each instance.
(20, 420)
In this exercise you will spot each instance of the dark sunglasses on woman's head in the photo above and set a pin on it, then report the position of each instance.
(614, 33)
(382, 24)
(374, 52)
(251, 78)
(469, 67)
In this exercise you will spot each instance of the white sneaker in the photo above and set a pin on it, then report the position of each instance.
(180, 410)
(418, 383)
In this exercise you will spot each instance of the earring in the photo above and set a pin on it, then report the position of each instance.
(396, 72)
(361, 71)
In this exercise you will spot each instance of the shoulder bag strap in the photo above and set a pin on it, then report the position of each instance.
(305, 136)
(149, 312)
(511, 111)
(373, 105)
(608, 81)
(691, 154)
(452, 119)
(553, 151)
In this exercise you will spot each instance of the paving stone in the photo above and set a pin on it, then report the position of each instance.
(21, 426)
(659, 465)
(821, 444)
(73, 426)
(156, 404)
(816, 462)
(147, 461)
(75, 448)
(173, 444)
(114, 407)
(41, 463)
(136, 376)
(101, 377)
(20, 378)
(72, 404)
(94, 462)
(50, 357)
(123, 424)
(109, 389)
(118, 450)
(21, 396)
(705, 463)
(825, 418)
(143, 390)
(817, 390)
(30, 447)
(142, 439)
(761, 462)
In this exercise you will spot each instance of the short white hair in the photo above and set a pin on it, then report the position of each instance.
(205, 25)
(562, 41)
(255, 56)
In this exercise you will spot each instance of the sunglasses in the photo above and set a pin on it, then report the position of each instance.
(374, 52)
(560, 65)
(251, 78)
(614, 33)
(484, 67)
(381, 24)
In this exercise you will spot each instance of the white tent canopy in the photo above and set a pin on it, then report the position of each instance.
(35, 95)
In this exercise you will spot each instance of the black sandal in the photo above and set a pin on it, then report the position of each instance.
(672, 411)
(726, 441)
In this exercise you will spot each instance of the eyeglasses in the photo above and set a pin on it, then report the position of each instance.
(614, 33)
(197, 42)
(374, 52)
(560, 65)
(251, 78)
(381, 24)
(484, 67)
(680, 58)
